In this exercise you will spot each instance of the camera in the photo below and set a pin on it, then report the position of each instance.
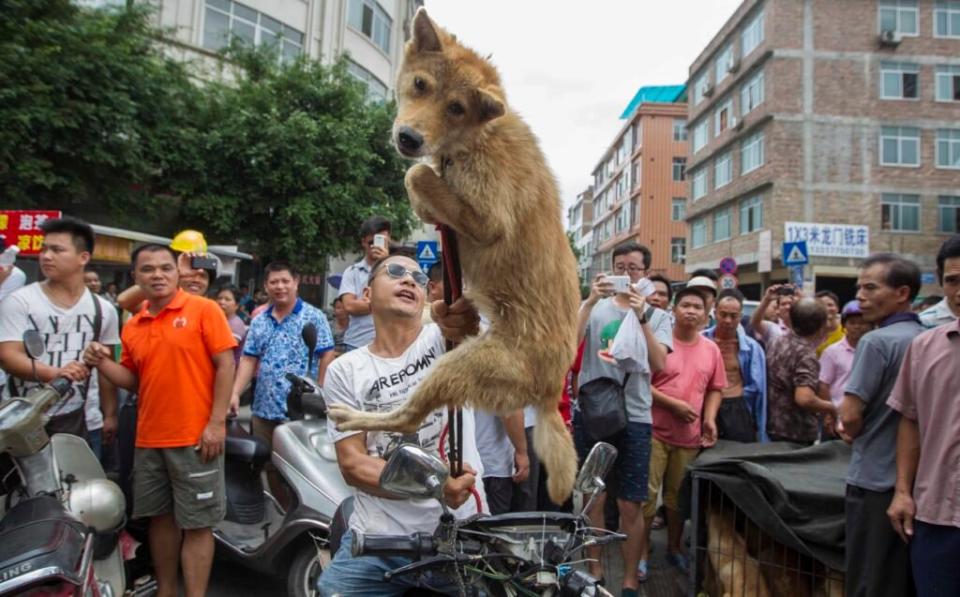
(787, 290)
(208, 263)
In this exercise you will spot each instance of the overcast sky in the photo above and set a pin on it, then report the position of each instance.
(570, 68)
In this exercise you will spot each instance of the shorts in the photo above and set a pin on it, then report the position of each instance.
(668, 464)
(174, 480)
(735, 421)
(633, 456)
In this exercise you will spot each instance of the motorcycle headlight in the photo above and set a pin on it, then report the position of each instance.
(99, 503)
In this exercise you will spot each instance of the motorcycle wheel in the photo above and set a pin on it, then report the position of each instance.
(304, 571)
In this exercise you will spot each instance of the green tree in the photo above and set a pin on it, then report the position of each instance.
(92, 116)
(292, 158)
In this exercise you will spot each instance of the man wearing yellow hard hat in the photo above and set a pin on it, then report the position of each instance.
(192, 247)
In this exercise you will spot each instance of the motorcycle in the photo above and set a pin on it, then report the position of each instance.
(258, 532)
(517, 553)
(62, 526)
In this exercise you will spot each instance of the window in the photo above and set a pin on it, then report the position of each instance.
(679, 169)
(699, 83)
(751, 214)
(368, 18)
(722, 65)
(899, 146)
(635, 176)
(723, 170)
(898, 80)
(699, 185)
(376, 89)
(622, 220)
(948, 83)
(949, 214)
(634, 211)
(946, 18)
(698, 233)
(751, 153)
(700, 135)
(721, 224)
(637, 135)
(751, 94)
(948, 148)
(723, 117)
(678, 250)
(752, 35)
(678, 209)
(679, 129)
(224, 19)
(899, 16)
(900, 213)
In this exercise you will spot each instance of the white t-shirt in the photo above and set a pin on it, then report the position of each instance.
(496, 449)
(67, 333)
(368, 382)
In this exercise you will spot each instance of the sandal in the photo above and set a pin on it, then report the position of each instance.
(642, 572)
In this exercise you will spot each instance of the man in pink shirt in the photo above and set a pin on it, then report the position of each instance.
(925, 510)
(686, 397)
(836, 362)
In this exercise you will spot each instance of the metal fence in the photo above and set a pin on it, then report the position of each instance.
(733, 557)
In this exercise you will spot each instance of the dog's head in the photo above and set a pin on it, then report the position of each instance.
(446, 93)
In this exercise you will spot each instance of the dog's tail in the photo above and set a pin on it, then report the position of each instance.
(554, 446)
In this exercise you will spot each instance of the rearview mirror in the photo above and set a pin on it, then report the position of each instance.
(595, 468)
(309, 335)
(411, 472)
(33, 344)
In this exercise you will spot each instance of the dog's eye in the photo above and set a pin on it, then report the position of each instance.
(419, 84)
(455, 109)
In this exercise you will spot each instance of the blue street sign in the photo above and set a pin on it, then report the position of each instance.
(795, 253)
(928, 278)
(796, 275)
(428, 253)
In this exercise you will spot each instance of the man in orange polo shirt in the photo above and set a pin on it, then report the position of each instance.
(178, 355)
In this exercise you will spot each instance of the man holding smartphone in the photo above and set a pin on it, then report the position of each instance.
(375, 240)
(785, 295)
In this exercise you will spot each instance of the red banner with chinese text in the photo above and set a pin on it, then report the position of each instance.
(21, 227)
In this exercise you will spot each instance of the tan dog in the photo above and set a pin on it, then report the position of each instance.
(484, 176)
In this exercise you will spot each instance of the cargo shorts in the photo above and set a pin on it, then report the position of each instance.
(174, 480)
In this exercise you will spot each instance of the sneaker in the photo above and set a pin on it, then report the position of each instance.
(680, 561)
(642, 573)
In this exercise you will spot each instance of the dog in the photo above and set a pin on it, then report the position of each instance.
(482, 173)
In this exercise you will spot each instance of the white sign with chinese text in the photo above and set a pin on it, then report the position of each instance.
(830, 240)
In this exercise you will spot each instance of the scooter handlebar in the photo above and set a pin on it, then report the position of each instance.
(412, 546)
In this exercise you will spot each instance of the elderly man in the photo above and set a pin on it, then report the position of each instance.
(743, 412)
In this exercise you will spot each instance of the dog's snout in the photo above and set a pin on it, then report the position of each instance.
(409, 139)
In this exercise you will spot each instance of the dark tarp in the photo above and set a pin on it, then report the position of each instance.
(796, 495)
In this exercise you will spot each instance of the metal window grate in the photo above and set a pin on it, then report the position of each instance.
(733, 557)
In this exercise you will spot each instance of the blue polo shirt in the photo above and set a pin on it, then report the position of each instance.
(279, 347)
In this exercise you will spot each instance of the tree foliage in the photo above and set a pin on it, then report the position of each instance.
(284, 159)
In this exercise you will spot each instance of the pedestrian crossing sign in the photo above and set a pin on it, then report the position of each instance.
(795, 253)
(428, 253)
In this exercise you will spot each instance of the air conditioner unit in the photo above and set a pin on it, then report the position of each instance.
(707, 89)
(733, 64)
(890, 38)
(737, 124)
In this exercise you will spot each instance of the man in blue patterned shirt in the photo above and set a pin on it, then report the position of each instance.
(274, 342)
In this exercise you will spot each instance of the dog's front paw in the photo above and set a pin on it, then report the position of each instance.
(419, 177)
(342, 416)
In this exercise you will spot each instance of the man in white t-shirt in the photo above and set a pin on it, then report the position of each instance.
(62, 309)
(380, 377)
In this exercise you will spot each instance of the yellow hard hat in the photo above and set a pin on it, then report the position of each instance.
(189, 241)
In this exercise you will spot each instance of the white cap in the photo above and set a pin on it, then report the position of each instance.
(703, 282)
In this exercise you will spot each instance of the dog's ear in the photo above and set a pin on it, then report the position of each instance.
(491, 106)
(425, 37)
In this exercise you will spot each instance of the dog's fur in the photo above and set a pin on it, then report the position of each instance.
(485, 177)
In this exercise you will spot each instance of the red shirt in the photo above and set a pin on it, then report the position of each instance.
(692, 370)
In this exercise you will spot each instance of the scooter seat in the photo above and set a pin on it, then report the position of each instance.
(242, 447)
(38, 534)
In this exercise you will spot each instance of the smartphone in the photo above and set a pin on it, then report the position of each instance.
(620, 283)
(380, 240)
(203, 263)
(645, 287)
(786, 290)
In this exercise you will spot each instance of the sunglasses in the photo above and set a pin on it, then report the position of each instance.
(397, 272)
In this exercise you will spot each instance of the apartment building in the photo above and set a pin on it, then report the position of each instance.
(580, 229)
(833, 122)
(639, 185)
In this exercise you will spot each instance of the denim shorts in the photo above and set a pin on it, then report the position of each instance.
(633, 456)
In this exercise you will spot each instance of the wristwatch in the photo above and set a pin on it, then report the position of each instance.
(643, 319)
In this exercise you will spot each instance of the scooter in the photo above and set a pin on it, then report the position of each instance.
(257, 531)
(62, 527)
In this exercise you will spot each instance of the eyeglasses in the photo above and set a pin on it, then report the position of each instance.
(397, 272)
(620, 268)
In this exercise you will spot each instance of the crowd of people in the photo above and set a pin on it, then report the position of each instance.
(691, 368)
